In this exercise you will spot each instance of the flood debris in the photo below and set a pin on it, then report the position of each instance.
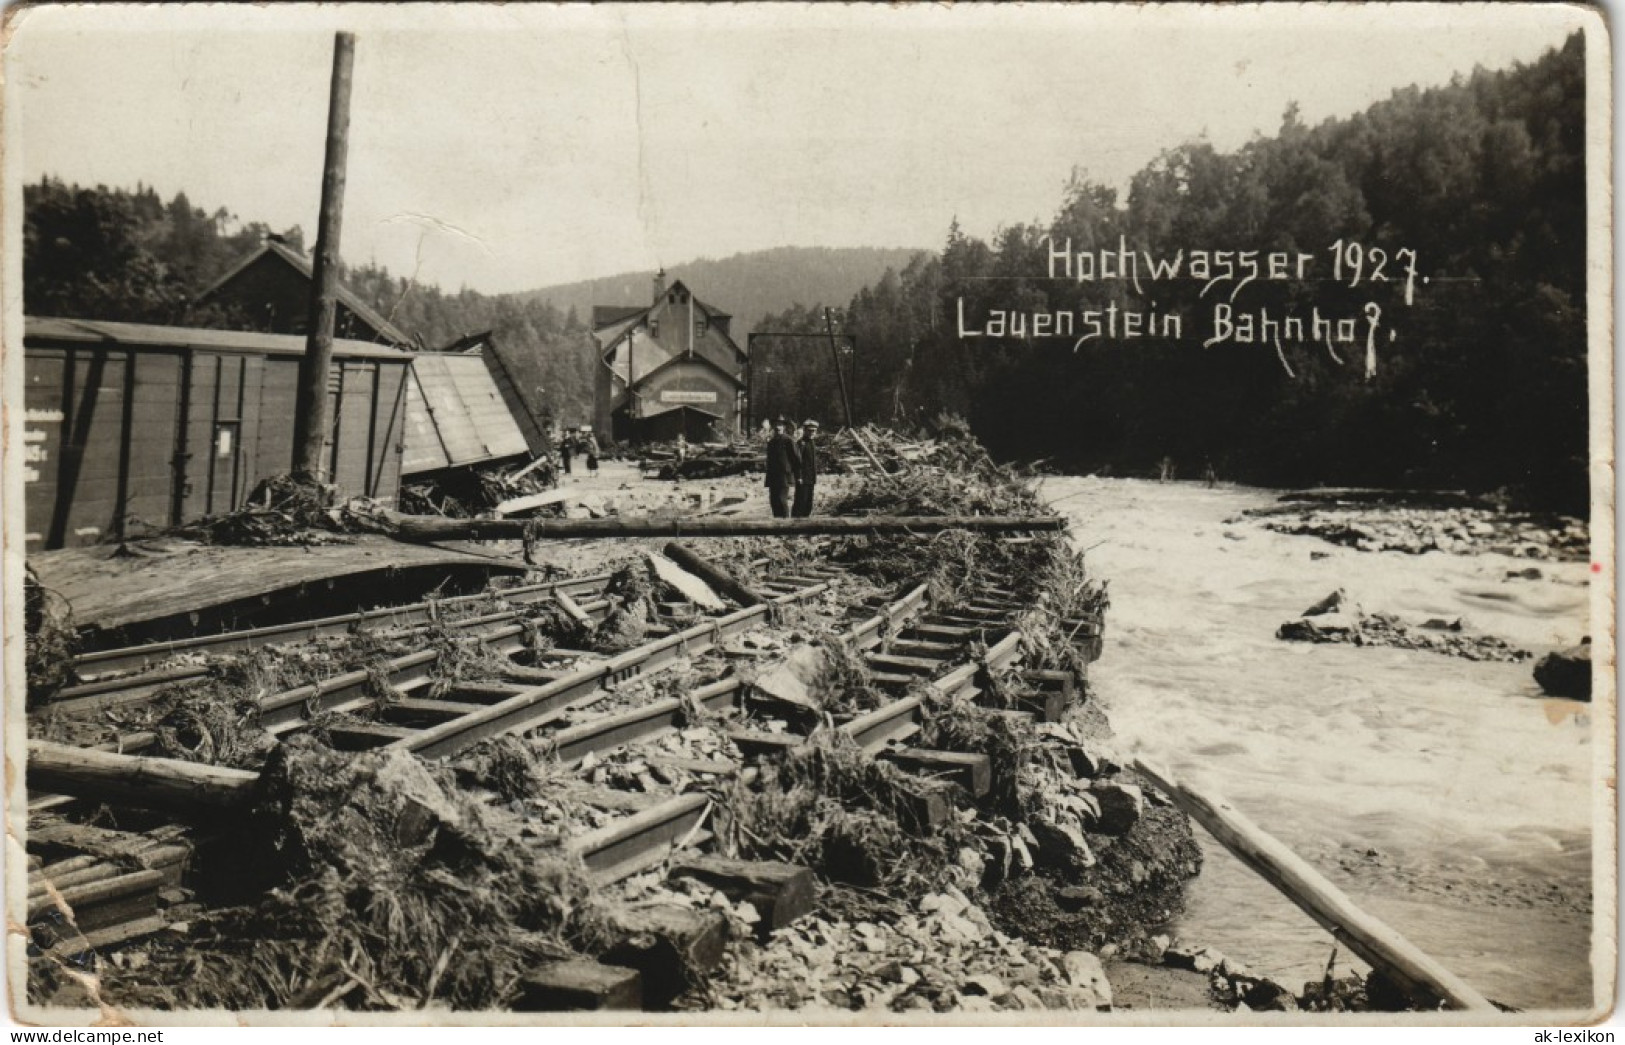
(282, 511)
(1416, 528)
(1338, 619)
(48, 621)
(383, 885)
(380, 881)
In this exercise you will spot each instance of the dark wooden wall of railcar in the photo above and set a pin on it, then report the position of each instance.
(120, 441)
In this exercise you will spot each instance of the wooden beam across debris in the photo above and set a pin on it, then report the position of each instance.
(1421, 977)
(427, 528)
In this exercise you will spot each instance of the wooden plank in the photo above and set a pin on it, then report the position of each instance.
(973, 772)
(1423, 978)
(579, 986)
(107, 592)
(904, 665)
(414, 711)
(714, 575)
(364, 736)
(780, 892)
(103, 939)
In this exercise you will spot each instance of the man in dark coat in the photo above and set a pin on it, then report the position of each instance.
(783, 467)
(806, 470)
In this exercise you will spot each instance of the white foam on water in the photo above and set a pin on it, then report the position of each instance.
(1446, 796)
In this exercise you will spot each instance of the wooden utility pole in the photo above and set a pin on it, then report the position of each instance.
(840, 375)
(310, 408)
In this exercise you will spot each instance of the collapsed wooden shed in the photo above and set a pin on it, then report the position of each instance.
(456, 416)
(132, 427)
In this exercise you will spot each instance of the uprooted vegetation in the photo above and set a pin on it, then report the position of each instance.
(380, 880)
(389, 887)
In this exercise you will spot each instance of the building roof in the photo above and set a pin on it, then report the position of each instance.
(612, 324)
(607, 315)
(455, 415)
(303, 265)
(149, 335)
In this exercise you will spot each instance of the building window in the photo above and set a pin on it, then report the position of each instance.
(701, 324)
(654, 328)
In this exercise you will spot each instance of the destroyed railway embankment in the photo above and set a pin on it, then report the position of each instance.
(379, 879)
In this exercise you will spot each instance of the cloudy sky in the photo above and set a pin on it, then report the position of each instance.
(511, 147)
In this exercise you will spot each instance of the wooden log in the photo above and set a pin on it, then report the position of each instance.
(429, 528)
(780, 892)
(572, 609)
(712, 574)
(1426, 981)
(96, 905)
(126, 780)
(579, 985)
(73, 947)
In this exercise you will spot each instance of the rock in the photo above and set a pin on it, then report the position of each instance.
(1025, 998)
(1089, 761)
(790, 680)
(1327, 627)
(1120, 807)
(1270, 997)
(1022, 853)
(1181, 955)
(1440, 624)
(985, 984)
(1530, 574)
(1320, 555)
(1336, 602)
(1078, 897)
(1061, 845)
(1156, 947)
(1085, 973)
(1567, 673)
(1055, 998)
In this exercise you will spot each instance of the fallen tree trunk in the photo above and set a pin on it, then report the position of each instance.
(428, 528)
(713, 575)
(1421, 977)
(133, 780)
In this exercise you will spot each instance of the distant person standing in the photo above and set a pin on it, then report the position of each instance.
(806, 470)
(590, 447)
(567, 449)
(783, 467)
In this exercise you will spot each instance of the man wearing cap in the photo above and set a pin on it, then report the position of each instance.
(783, 466)
(806, 470)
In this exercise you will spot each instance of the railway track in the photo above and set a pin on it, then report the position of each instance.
(565, 704)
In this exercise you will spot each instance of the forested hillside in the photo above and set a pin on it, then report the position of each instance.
(104, 253)
(1482, 386)
(749, 286)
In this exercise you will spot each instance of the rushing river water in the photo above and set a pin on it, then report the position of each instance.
(1445, 796)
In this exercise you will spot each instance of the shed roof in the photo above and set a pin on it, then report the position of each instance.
(455, 415)
(303, 265)
(149, 335)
